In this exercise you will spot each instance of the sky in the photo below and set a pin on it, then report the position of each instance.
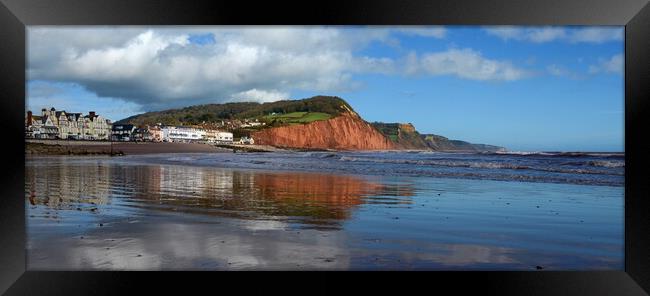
(523, 88)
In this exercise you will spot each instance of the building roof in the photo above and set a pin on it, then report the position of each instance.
(75, 115)
(122, 127)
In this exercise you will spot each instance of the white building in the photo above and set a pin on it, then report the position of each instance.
(224, 137)
(181, 134)
(54, 124)
(246, 140)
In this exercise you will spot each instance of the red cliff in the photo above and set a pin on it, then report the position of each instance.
(345, 132)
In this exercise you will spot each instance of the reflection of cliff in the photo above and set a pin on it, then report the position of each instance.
(319, 196)
(345, 132)
(251, 194)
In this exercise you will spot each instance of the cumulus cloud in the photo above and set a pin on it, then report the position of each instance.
(432, 31)
(161, 67)
(463, 63)
(548, 34)
(615, 65)
(557, 70)
(597, 35)
(158, 67)
(562, 71)
(255, 95)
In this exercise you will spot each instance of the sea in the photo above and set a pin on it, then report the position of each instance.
(327, 211)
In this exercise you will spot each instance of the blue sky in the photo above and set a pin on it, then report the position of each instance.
(525, 88)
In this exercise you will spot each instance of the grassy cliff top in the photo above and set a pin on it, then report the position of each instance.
(289, 111)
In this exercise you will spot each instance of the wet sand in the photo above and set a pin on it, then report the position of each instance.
(125, 148)
(102, 213)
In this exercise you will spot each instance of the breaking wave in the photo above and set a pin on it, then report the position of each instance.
(494, 165)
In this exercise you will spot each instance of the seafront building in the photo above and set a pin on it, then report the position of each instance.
(182, 134)
(123, 132)
(246, 140)
(155, 133)
(52, 124)
(224, 138)
(218, 137)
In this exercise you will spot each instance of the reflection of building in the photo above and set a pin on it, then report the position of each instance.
(185, 179)
(54, 124)
(63, 185)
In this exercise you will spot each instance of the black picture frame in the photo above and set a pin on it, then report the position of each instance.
(15, 15)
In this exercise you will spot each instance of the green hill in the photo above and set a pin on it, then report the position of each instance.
(280, 112)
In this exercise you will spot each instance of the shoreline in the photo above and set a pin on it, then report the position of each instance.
(116, 148)
(79, 147)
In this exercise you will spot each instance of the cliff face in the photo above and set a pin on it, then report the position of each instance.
(403, 135)
(438, 143)
(345, 132)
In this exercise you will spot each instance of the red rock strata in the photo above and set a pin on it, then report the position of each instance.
(344, 132)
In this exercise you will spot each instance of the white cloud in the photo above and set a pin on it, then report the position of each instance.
(562, 71)
(431, 31)
(255, 95)
(548, 34)
(158, 67)
(557, 70)
(615, 64)
(545, 35)
(464, 63)
(597, 35)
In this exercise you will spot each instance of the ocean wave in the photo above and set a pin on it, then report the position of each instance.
(607, 164)
(596, 163)
(491, 165)
(518, 153)
(487, 165)
(559, 154)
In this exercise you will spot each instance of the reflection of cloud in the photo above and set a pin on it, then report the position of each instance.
(440, 256)
(169, 245)
(472, 254)
(264, 225)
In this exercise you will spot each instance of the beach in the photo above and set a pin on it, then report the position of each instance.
(261, 211)
(67, 147)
